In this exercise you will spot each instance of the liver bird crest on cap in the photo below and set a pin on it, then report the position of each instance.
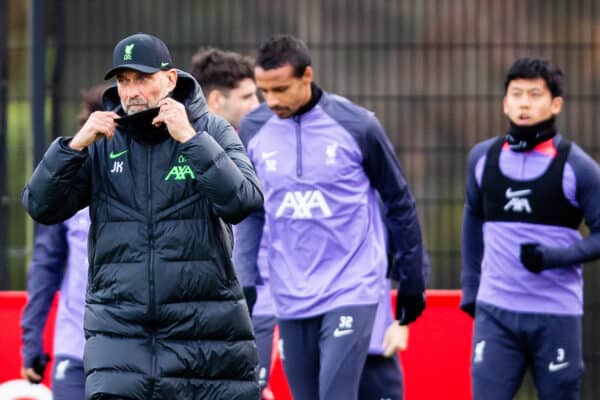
(127, 52)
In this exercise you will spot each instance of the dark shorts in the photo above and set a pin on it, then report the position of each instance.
(507, 343)
(68, 379)
(323, 356)
(381, 379)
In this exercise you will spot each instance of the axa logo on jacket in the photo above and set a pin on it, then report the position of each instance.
(180, 172)
(302, 203)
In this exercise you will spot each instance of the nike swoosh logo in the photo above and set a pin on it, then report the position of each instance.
(340, 333)
(517, 193)
(269, 154)
(557, 367)
(117, 155)
(163, 64)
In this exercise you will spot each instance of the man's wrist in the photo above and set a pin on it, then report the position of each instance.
(189, 134)
(75, 146)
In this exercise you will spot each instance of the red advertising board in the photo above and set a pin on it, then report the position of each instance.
(436, 364)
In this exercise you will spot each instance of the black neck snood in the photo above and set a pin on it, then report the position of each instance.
(525, 138)
(139, 127)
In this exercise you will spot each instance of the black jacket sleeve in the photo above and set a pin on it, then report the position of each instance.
(472, 232)
(60, 184)
(409, 266)
(224, 172)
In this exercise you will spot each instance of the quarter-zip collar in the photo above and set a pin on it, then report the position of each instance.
(315, 95)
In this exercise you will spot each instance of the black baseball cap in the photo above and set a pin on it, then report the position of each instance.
(140, 52)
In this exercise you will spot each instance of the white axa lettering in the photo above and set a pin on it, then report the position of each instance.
(302, 204)
(518, 205)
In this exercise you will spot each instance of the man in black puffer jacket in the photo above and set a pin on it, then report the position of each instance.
(165, 315)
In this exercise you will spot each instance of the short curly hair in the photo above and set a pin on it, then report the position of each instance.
(221, 70)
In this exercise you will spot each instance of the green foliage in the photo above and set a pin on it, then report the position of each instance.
(19, 164)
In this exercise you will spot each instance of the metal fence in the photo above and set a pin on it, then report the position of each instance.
(432, 70)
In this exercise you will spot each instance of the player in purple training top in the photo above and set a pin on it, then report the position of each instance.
(323, 162)
(527, 194)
